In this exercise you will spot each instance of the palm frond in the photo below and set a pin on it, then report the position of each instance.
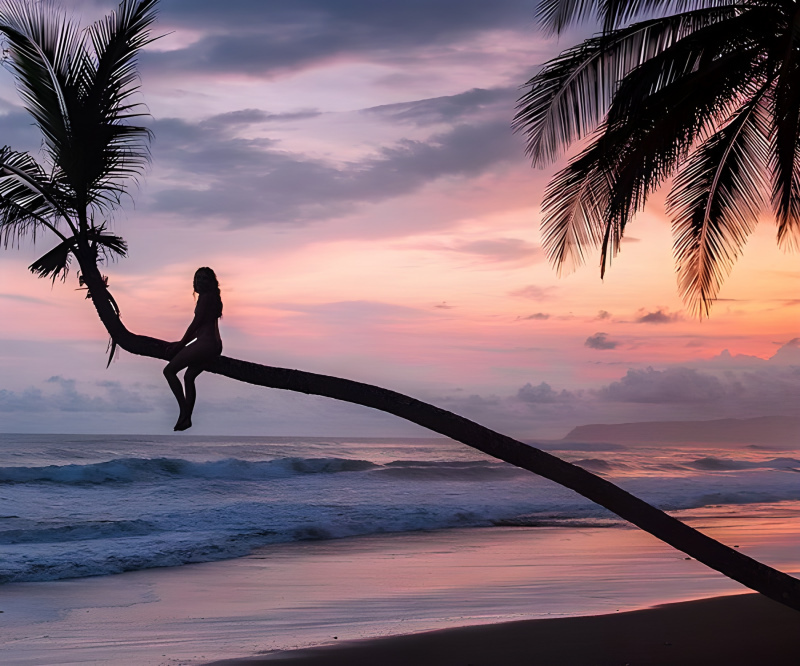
(56, 262)
(115, 150)
(716, 199)
(589, 203)
(617, 12)
(556, 15)
(749, 32)
(785, 158)
(27, 202)
(572, 211)
(571, 94)
(107, 244)
(41, 44)
(651, 143)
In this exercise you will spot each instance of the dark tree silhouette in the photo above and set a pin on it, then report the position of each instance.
(706, 92)
(79, 86)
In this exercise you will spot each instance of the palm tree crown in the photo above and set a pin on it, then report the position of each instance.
(706, 92)
(79, 86)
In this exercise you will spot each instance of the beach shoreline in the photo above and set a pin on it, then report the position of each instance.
(302, 595)
(115, 554)
(736, 630)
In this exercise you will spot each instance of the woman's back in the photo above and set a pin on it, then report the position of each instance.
(207, 312)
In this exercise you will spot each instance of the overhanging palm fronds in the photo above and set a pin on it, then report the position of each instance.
(556, 15)
(590, 203)
(786, 109)
(663, 126)
(716, 200)
(570, 96)
(671, 96)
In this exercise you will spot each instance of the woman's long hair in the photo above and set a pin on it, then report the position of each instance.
(205, 282)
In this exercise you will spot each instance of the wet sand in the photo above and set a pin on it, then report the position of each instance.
(742, 630)
(300, 595)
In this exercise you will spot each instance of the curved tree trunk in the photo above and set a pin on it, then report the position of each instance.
(747, 571)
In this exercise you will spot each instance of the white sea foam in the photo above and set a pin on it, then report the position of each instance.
(89, 506)
(130, 470)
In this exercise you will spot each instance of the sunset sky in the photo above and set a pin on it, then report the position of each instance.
(348, 170)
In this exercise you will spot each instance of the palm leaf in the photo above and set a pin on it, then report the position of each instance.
(108, 244)
(571, 94)
(115, 150)
(27, 201)
(572, 211)
(41, 44)
(56, 262)
(749, 32)
(785, 163)
(652, 139)
(556, 15)
(716, 199)
(618, 12)
(589, 203)
(663, 107)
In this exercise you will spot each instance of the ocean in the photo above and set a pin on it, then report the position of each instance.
(74, 506)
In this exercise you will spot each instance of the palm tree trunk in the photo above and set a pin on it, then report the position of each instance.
(747, 571)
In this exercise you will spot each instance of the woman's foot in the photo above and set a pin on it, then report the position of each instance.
(184, 423)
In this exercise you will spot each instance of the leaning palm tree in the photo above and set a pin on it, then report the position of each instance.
(79, 87)
(705, 92)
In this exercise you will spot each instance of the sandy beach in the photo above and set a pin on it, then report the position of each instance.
(291, 597)
(742, 630)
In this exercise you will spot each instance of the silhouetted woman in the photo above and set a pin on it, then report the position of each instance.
(200, 345)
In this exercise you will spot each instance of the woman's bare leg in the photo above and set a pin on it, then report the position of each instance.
(192, 357)
(191, 393)
(171, 374)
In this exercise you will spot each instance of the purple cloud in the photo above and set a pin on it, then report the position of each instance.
(543, 393)
(600, 341)
(253, 181)
(533, 292)
(673, 385)
(67, 398)
(658, 317)
(266, 39)
(443, 109)
(499, 249)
